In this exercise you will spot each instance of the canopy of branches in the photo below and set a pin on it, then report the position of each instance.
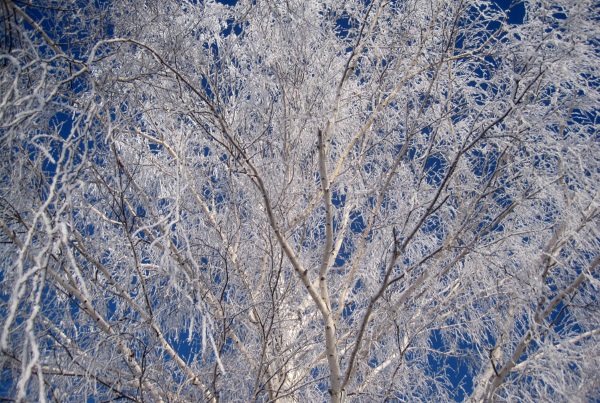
(299, 200)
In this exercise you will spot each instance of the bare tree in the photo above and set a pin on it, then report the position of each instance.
(299, 201)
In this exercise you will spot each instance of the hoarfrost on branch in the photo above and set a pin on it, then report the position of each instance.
(299, 201)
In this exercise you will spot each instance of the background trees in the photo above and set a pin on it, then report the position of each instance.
(299, 200)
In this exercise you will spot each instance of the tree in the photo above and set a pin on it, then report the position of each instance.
(300, 201)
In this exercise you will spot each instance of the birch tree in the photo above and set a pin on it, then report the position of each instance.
(299, 201)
